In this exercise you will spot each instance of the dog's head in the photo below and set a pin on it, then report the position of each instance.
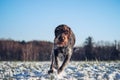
(62, 35)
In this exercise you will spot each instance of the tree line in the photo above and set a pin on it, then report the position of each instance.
(101, 50)
(11, 50)
(25, 51)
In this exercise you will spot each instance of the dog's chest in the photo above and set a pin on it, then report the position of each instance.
(62, 50)
(62, 53)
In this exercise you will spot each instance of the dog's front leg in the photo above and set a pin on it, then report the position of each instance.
(56, 53)
(66, 61)
(52, 63)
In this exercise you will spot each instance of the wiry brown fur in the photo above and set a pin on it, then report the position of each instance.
(63, 43)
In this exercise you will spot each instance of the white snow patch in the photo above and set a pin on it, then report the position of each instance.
(74, 71)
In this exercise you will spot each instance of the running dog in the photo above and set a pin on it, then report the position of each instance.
(63, 44)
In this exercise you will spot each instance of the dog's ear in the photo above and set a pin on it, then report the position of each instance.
(56, 31)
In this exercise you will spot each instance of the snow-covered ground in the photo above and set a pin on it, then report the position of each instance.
(74, 71)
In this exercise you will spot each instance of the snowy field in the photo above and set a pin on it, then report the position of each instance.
(74, 71)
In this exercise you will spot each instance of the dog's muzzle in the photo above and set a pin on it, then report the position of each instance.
(61, 38)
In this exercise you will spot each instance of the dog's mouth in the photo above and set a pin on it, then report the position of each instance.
(61, 43)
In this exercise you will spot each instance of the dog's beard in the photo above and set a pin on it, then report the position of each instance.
(59, 43)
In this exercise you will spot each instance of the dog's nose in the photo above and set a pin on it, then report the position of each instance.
(61, 38)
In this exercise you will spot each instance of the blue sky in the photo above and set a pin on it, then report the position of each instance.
(36, 19)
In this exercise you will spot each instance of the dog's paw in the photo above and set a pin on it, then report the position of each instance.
(50, 71)
(59, 70)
